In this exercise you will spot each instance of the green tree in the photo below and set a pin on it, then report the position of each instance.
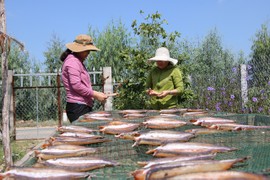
(258, 66)
(213, 74)
(110, 41)
(260, 55)
(150, 35)
(54, 50)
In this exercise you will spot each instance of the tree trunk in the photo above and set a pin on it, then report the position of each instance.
(5, 100)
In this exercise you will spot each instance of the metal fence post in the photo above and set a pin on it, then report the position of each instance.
(108, 87)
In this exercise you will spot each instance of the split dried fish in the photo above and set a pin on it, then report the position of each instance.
(79, 135)
(172, 111)
(195, 113)
(97, 116)
(198, 131)
(76, 140)
(208, 121)
(164, 171)
(42, 173)
(158, 137)
(163, 123)
(73, 128)
(220, 175)
(165, 160)
(187, 149)
(117, 127)
(77, 163)
(132, 111)
(64, 150)
(236, 127)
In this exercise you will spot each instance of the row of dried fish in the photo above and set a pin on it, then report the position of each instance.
(66, 151)
(139, 113)
(194, 170)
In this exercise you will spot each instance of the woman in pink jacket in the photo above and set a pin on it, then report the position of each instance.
(76, 80)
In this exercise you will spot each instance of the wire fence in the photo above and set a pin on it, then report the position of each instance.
(37, 96)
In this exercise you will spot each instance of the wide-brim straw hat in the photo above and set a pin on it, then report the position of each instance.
(163, 54)
(82, 43)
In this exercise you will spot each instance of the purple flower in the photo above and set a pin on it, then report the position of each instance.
(217, 106)
(230, 103)
(232, 96)
(249, 67)
(262, 91)
(234, 69)
(268, 82)
(260, 109)
(211, 89)
(254, 99)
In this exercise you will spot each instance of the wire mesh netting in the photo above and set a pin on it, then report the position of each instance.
(254, 144)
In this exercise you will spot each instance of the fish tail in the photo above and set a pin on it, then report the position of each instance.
(135, 144)
(45, 145)
(138, 175)
(150, 151)
(141, 163)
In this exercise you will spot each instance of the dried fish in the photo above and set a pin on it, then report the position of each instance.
(171, 111)
(158, 137)
(203, 131)
(132, 111)
(64, 150)
(219, 175)
(164, 171)
(195, 113)
(163, 123)
(96, 116)
(128, 135)
(42, 173)
(236, 127)
(165, 160)
(208, 121)
(77, 163)
(187, 149)
(79, 135)
(73, 128)
(117, 127)
(135, 115)
(76, 140)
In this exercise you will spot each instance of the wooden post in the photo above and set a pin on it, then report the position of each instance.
(244, 86)
(59, 100)
(108, 87)
(11, 107)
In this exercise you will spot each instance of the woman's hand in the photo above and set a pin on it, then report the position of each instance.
(101, 97)
(151, 92)
(163, 94)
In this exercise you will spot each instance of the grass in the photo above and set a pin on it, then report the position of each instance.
(20, 148)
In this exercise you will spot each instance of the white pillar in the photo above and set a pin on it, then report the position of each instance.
(244, 86)
(108, 87)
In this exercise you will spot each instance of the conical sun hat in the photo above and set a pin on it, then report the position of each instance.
(82, 43)
(163, 54)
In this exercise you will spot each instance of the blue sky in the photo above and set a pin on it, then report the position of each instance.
(33, 22)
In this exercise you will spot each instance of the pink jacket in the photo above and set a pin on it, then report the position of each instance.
(76, 81)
